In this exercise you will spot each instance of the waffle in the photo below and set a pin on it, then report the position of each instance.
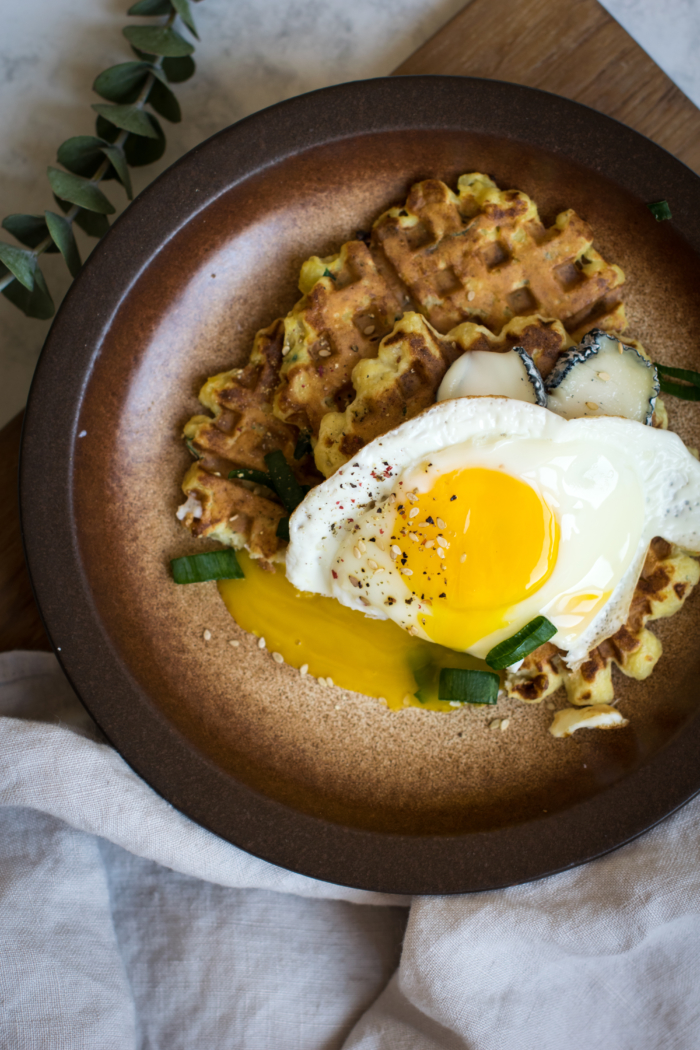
(483, 255)
(666, 580)
(235, 513)
(348, 306)
(404, 378)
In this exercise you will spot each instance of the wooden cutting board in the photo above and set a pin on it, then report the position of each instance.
(569, 47)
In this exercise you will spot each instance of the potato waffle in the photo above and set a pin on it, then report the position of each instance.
(483, 255)
(348, 306)
(404, 377)
(666, 580)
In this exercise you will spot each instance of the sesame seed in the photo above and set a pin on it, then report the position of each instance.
(362, 546)
(471, 296)
(413, 536)
(604, 376)
(261, 643)
(412, 631)
(321, 681)
(372, 563)
(278, 658)
(462, 559)
(441, 524)
(413, 513)
(440, 552)
(233, 517)
(504, 724)
(324, 353)
(430, 543)
(592, 405)
(391, 498)
(304, 670)
(381, 699)
(411, 496)
(354, 581)
(357, 552)
(207, 636)
(234, 643)
(407, 572)
(395, 550)
(369, 329)
(329, 681)
(620, 347)
(496, 724)
(379, 568)
(443, 567)
(285, 351)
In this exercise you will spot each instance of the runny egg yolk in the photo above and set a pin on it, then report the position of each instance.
(374, 657)
(473, 546)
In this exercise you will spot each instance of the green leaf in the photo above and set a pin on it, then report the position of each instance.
(674, 373)
(79, 191)
(128, 118)
(28, 229)
(20, 262)
(81, 154)
(183, 9)
(178, 69)
(286, 485)
(116, 155)
(122, 83)
(213, 565)
(90, 222)
(521, 644)
(660, 210)
(680, 390)
(164, 102)
(282, 532)
(151, 7)
(303, 446)
(141, 151)
(62, 234)
(37, 303)
(158, 40)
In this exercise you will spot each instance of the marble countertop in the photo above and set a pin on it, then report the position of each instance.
(252, 53)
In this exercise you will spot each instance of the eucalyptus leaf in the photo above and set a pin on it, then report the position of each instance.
(82, 155)
(183, 9)
(28, 229)
(79, 191)
(164, 102)
(138, 151)
(62, 235)
(20, 262)
(37, 303)
(158, 40)
(89, 221)
(128, 118)
(122, 83)
(144, 55)
(116, 155)
(178, 69)
(151, 7)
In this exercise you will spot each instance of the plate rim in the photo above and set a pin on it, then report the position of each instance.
(300, 842)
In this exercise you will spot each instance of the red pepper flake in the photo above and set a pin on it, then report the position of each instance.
(334, 574)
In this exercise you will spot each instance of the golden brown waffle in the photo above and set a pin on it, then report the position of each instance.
(483, 255)
(235, 513)
(666, 580)
(404, 378)
(348, 306)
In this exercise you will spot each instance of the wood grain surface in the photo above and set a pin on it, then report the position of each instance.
(572, 48)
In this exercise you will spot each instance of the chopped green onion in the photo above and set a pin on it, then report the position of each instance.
(528, 638)
(468, 687)
(258, 476)
(214, 565)
(282, 532)
(286, 485)
(303, 445)
(425, 678)
(660, 210)
(327, 273)
(686, 393)
(193, 450)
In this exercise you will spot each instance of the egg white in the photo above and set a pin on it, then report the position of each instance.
(631, 482)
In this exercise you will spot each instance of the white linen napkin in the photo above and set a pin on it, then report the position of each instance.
(124, 925)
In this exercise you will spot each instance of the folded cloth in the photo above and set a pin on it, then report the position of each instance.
(124, 925)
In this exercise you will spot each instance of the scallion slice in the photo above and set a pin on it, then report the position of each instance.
(286, 485)
(213, 565)
(282, 532)
(686, 393)
(303, 445)
(526, 640)
(468, 687)
(660, 210)
(259, 477)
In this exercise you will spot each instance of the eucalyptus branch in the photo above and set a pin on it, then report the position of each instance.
(127, 135)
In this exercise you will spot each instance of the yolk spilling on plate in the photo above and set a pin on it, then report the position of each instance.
(375, 657)
(476, 544)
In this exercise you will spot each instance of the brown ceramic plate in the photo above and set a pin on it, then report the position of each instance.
(327, 783)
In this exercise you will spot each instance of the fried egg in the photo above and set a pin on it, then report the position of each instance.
(465, 523)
